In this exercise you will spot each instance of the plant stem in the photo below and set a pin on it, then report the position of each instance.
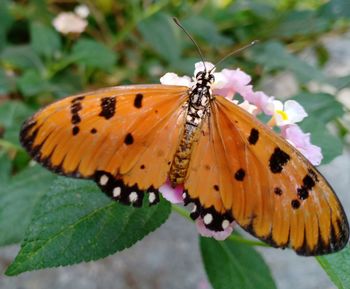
(9, 146)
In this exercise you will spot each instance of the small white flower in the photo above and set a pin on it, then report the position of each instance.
(288, 113)
(69, 22)
(171, 78)
(82, 11)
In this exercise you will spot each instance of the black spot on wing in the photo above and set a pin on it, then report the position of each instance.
(108, 106)
(253, 137)
(76, 106)
(78, 99)
(129, 139)
(303, 193)
(75, 130)
(93, 131)
(308, 184)
(278, 191)
(239, 175)
(138, 100)
(295, 204)
(278, 160)
(216, 188)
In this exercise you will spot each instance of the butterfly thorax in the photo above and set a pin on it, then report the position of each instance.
(197, 110)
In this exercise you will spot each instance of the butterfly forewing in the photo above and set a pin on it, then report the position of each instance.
(277, 195)
(123, 131)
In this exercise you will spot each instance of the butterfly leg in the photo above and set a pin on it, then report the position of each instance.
(212, 219)
(116, 189)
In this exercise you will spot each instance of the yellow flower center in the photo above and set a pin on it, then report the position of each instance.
(283, 114)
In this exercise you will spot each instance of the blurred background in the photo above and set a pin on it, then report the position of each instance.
(51, 49)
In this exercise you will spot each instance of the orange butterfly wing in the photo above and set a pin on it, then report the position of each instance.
(120, 136)
(240, 169)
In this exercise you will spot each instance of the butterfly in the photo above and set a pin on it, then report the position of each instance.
(131, 139)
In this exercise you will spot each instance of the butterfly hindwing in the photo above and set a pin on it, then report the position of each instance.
(121, 133)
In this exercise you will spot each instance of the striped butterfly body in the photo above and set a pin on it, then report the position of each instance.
(131, 139)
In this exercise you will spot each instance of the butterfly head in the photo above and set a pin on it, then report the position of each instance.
(205, 78)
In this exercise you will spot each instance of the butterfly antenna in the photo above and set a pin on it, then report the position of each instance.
(235, 52)
(177, 22)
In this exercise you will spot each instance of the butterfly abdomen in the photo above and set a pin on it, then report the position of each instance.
(198, 109)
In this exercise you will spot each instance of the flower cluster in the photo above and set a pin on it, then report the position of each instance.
(72, 22)
(228, 83)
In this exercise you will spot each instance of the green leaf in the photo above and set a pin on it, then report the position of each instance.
(205, 28)
(301, 23)
(330, 144)
(5, 22)
(12, 115)
(93, 54)
(273, 56)
(44, 40)
(22, 57)
(159, 32)
(32, 83)
(6, 83)
(234, 265)
(5, 168)
(336, 9)
(340, 82)
(75, 222)
(66, 83)
(322, 106)
(18, 197)
(337, 267)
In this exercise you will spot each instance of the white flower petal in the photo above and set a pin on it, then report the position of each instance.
(82, 11)
(69, 22)
(171, 78)
(199, 66)
(252, 109)
(278, 105)
(295, 111)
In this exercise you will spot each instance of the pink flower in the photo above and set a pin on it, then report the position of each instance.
(301, 141)
(205, 232)
(231, 81)
(263, 102)
(173, 195)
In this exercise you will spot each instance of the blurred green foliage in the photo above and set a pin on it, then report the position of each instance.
(137, 42)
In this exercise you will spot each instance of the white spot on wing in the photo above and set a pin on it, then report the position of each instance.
(225, 224)
(151, 197)
(103, 180)
(116, 192)
(208, 218)
(133, 197)
(194, 209)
